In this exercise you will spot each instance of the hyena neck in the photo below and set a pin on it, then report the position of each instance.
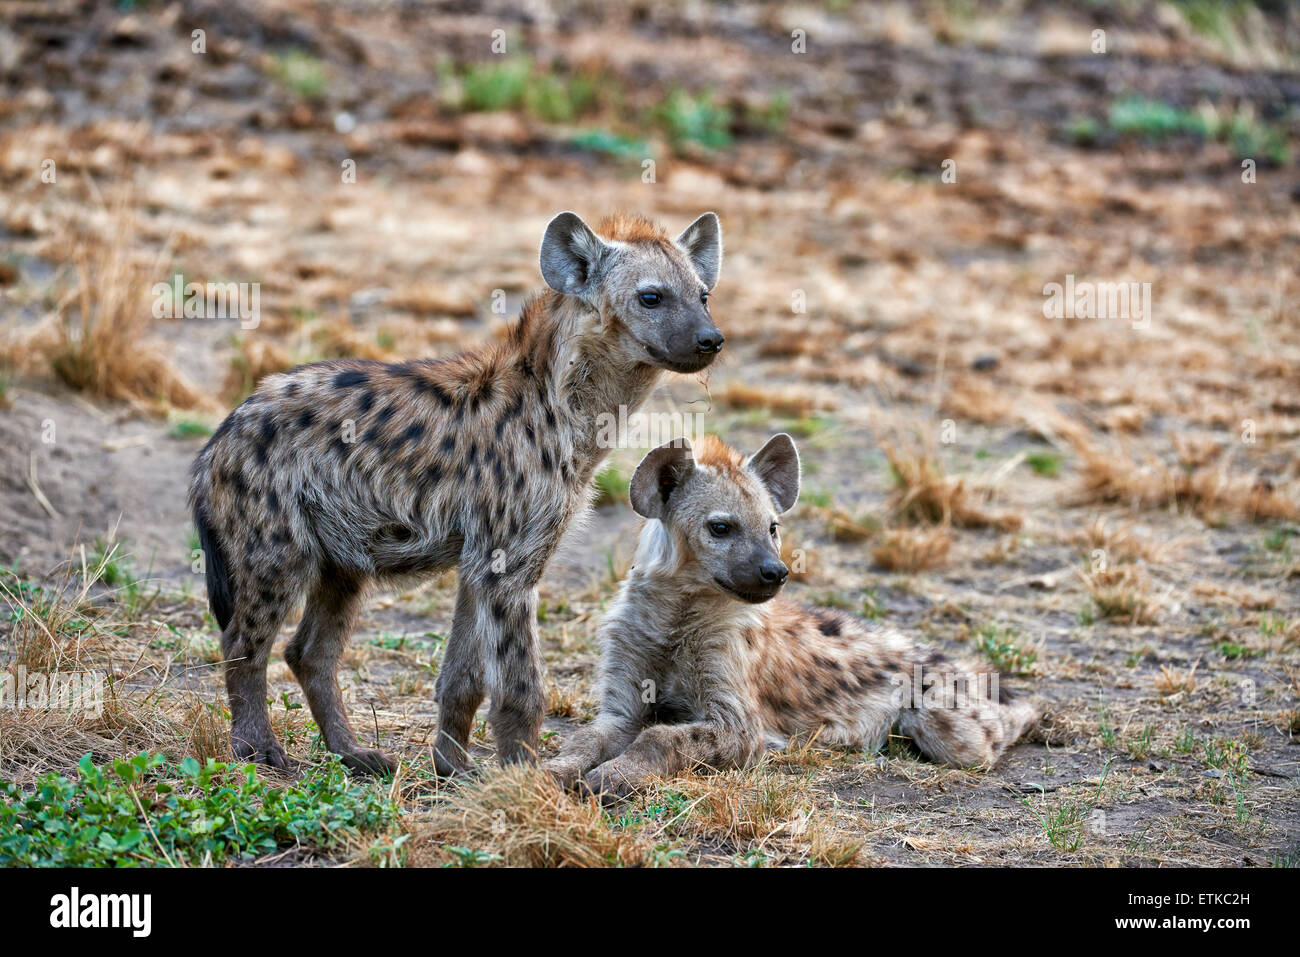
(584, 379)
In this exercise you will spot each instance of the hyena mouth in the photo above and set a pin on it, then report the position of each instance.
(695, 363)
(754, 596)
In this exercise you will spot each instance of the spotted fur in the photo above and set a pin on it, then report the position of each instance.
(701, 667)
(339, 475)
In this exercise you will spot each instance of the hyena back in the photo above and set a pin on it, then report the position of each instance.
(702, 665)
(338, 475)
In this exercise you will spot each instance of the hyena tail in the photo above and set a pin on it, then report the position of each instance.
(220, 599)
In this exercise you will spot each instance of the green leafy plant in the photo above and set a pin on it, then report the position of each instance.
(694, 118)
(611, 487)
(999, 645)
(1046, 464)
(301, 73)
(145, 811)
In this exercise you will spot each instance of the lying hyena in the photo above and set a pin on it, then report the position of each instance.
(702, 665)
(337, 475)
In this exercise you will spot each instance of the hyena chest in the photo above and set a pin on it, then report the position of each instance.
(692, 679)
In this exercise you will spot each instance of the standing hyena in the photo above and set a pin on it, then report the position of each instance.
(701, 667)
(337, 475)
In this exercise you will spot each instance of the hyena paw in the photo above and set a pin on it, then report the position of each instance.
(447, 767)
(613, 781)
(370, 761)
(260, 750)
(567, 774)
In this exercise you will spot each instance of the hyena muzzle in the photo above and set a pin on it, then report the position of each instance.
(339, 475)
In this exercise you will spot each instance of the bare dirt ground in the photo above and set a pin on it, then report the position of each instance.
(1107, 507)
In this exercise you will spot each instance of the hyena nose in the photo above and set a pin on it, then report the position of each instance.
(710, 340)
(773, 572)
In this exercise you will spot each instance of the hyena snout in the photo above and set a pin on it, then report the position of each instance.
(690, 347)
(708, 339)
(759, 578)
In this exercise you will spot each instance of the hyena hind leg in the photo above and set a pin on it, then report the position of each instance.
(245, 647)
(313, 654)
(975, 736)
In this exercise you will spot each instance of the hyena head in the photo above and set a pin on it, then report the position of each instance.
(650, 292)
(720, 511)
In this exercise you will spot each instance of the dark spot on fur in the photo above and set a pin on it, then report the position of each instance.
(350, 378)
(828, 624)
(305, 418)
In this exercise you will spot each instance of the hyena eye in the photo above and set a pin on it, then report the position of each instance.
(704, 298)
(649, 299)
(719, 529)
(772, 531)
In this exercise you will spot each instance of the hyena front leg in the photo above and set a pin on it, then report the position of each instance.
(313, 654)
(508, 622)
(460, 688)
(662, 750)
(622, 716)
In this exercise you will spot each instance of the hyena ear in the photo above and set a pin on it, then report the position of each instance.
(702, 242)
(570, 253)
(777, 466)
(660, 472)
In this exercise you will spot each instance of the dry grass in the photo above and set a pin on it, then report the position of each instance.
(1172, 681)
(35, 741)
(517, 816)
(1122, 593)
(1210, 490)
(924, 494)
(340, 339)
(209, 732)
(913, 549)
(97, 338)
(1118, 544)
(53, 625)
(254, 359)
(787, 403)
(564, 701)
(840, 525)
(66, 627)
